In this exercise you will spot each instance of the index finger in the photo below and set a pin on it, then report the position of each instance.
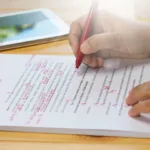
(142, 107)
(139, 93)
(75, 33)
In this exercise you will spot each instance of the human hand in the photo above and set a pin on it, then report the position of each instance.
(139, 99)
(111, 37)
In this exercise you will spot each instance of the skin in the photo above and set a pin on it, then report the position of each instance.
(114, 37)
(139, 98)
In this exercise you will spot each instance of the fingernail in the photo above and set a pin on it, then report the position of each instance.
(133, 113)
(100, 62)
(127, 101)
(85, 48)
(130, 92)
(127, 104)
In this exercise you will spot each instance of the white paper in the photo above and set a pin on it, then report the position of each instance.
(47, 92)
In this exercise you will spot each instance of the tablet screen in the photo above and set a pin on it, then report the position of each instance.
(25, 26)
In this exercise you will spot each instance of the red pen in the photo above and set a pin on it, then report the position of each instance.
(86, 31)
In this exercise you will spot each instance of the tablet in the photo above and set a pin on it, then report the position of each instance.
(30, 28)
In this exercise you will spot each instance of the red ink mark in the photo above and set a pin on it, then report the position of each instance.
(41, 106)
(27, 84)
(44, 65)
(60, 73)
(40, 115)
(97, 103)
(27, 91)
(38, 108)
(106, 87)
(42, 99)
(46, 79)
(14, 114)
(84, 103)
(126, 106)
(52, 91)
(102, 104)
(10, 92)
(19, 107)
(67, 100)
(28, 122)
(16, 109)
(45, 71)
(47, 100)
(12, 117)
(39, 119)
(50, 72)
(38, 66)
(31, 117)
(51, 95)
(112, 91)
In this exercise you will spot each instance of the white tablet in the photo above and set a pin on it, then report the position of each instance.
(30, 27)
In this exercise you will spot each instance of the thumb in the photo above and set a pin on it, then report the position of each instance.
(99, 42)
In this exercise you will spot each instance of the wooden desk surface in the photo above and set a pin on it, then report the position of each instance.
(69, 11)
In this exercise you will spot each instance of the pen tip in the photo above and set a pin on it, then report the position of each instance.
(77, 65)
(78, 62)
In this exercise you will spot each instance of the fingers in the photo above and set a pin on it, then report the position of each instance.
(100, 42)
(139, 99)
(139, 93)
(142, 107)
(75, 33)
(74, 36)
(111, 64)
(93, 61)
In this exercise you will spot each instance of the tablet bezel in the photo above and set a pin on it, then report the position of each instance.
(63, 27)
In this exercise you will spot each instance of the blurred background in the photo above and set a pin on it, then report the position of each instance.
(70, 10)
(75, 7)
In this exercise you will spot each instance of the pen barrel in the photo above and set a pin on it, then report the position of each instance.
(79, 59)
(88, 22)
(86, 31)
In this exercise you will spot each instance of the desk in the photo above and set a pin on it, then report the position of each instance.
(69, 11)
